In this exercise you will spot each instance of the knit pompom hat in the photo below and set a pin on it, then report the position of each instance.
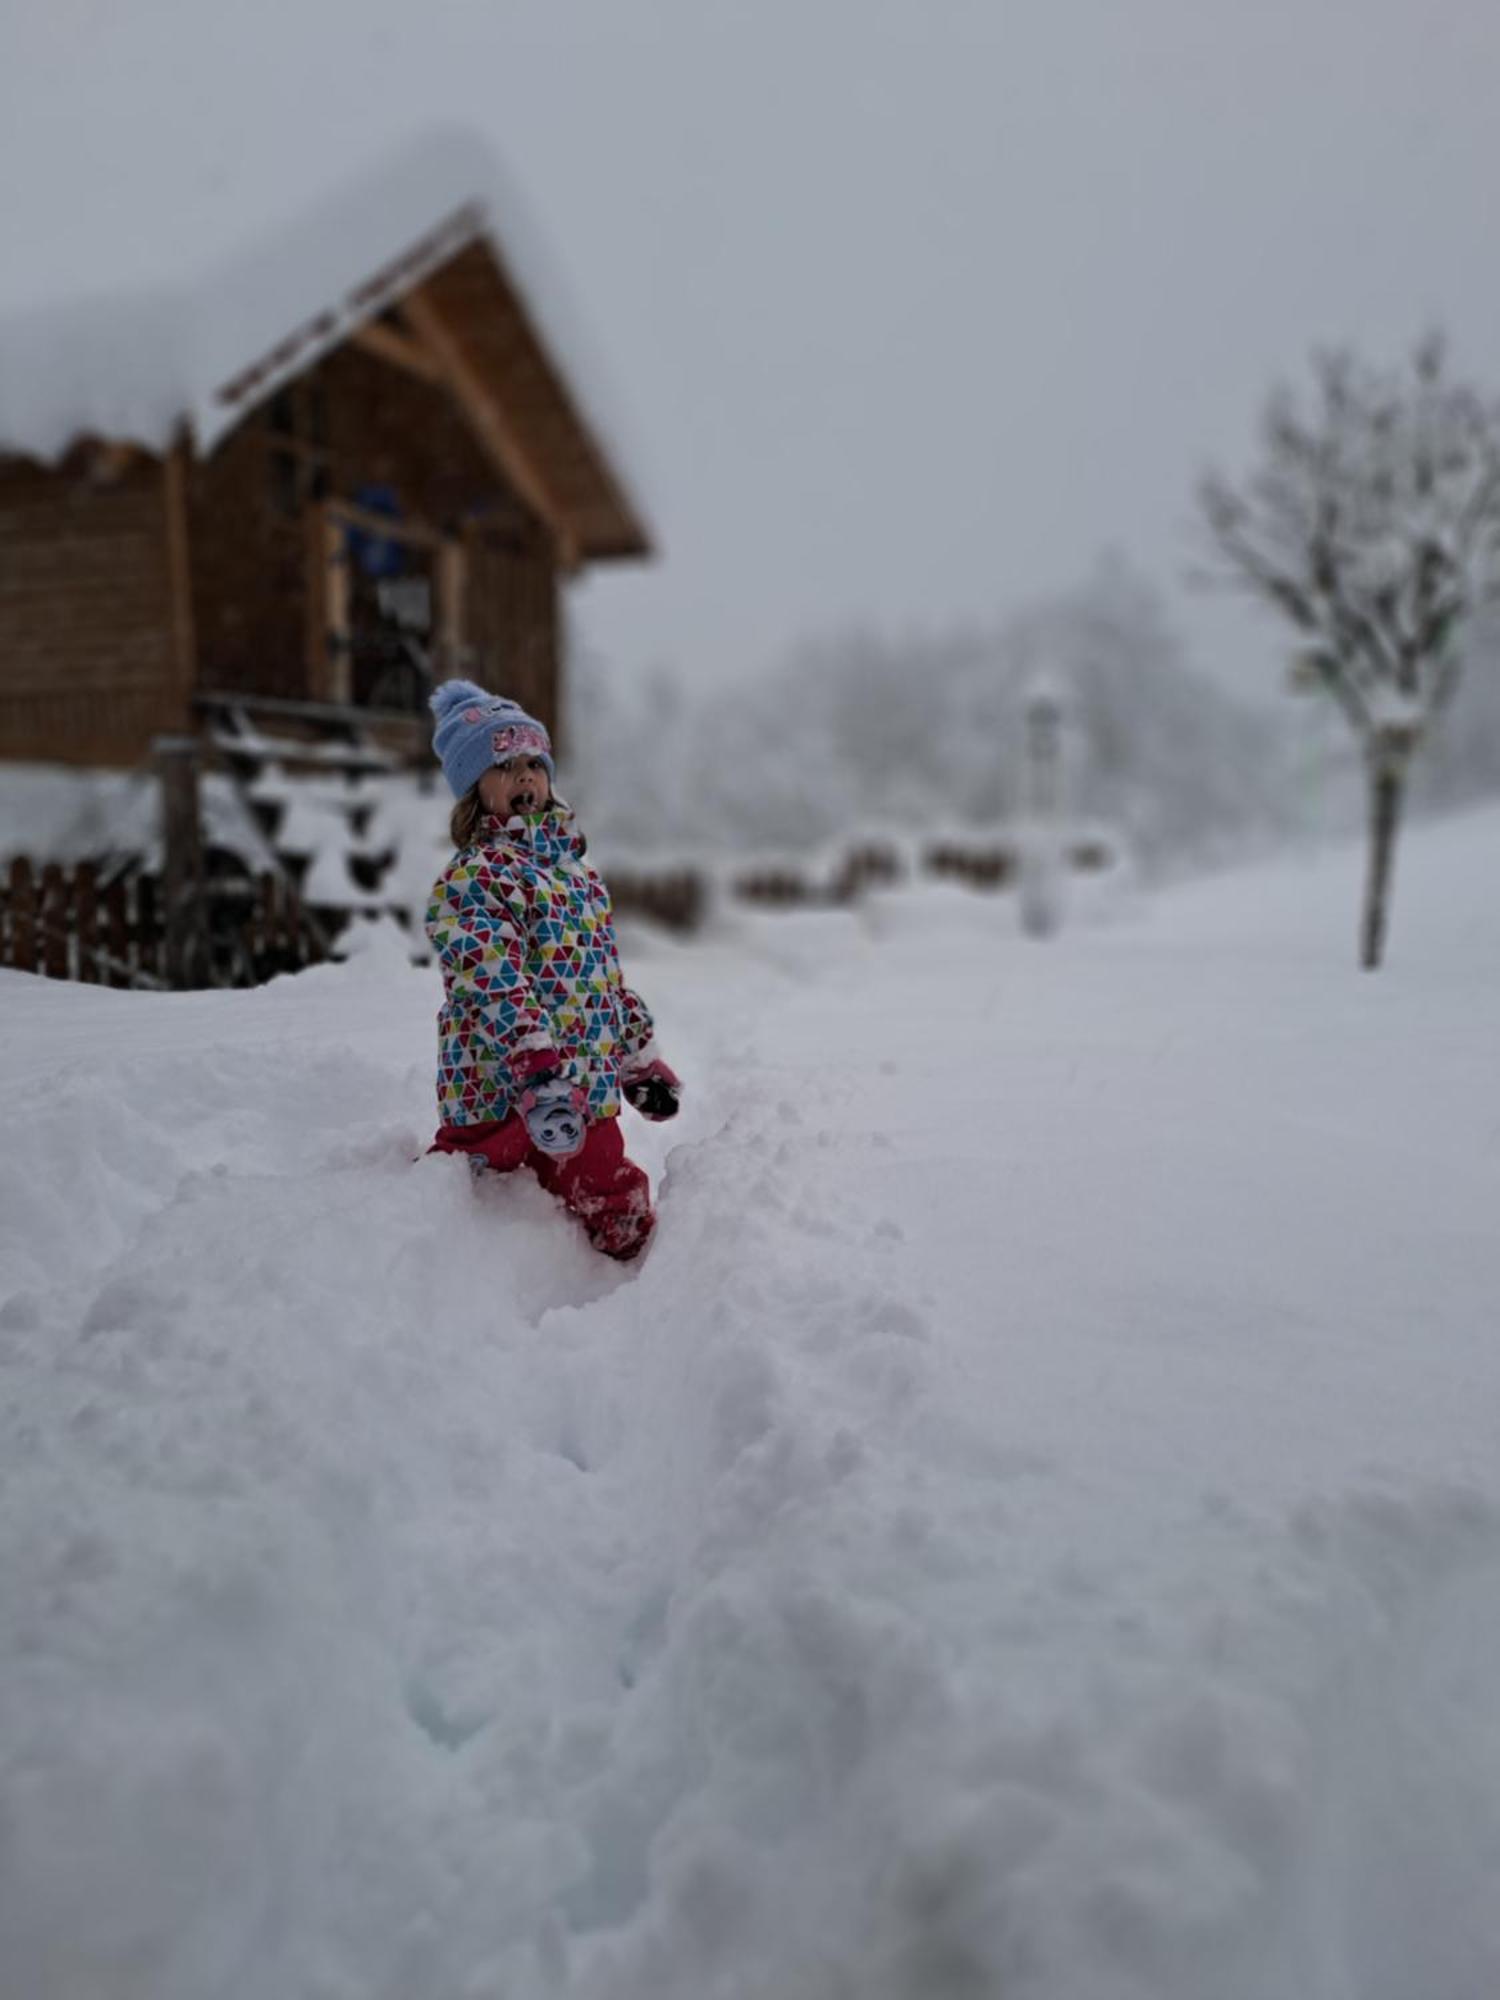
(475, 730)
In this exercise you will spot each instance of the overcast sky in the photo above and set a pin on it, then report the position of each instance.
(911, 306)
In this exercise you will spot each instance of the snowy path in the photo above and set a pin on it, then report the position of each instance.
(1031, 1528)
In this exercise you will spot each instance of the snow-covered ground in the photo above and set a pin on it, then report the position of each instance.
(1031, 1528)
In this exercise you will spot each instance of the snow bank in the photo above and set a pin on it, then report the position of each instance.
(58, 812)
(1029, 1528)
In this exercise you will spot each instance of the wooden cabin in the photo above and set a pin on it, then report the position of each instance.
(308, 487)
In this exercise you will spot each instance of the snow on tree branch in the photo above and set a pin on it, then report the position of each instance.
(1372, 523)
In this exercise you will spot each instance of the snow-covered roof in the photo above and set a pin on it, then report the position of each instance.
(207, 344)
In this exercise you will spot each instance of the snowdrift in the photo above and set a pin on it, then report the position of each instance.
(1030, 1527)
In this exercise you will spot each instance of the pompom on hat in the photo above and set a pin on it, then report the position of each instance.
(476, 730)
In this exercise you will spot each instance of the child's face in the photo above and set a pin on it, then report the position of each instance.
(520, 786)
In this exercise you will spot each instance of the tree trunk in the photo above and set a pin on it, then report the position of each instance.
(1387, 788)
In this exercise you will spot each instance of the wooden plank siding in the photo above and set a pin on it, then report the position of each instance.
(249, 572)
(263, 607)
(88, 664)
(513, 615)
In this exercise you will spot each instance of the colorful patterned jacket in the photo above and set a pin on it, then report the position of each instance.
(531, 973)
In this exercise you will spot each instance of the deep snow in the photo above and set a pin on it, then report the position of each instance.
(1030, 1528)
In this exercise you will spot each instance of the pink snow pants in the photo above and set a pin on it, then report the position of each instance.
(609, 1193)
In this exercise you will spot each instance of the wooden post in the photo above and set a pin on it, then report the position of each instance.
(336, 608)
(22, 915)
(316, 640)
(147, 927)
(182, 860)
(180, 574)
(273, 927)
(86, 921)
(329, 661)
(116, 934)
(259, 929)
(451, 567)
(56, 940)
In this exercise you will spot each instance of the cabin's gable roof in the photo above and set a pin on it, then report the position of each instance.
(337, 316)
(423, 233)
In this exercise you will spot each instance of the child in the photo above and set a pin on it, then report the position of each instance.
(539, 1037)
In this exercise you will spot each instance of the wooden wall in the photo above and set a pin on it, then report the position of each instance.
(88, 661)
(351, 422)
(513, 616)
(249, 586)
(96, 655)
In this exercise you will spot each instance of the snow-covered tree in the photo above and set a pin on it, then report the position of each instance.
(1372, 524)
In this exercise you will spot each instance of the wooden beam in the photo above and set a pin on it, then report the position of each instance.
(452, 570)
(383, 527)
(220, 701)
(179, 574)
(329, 668)
(340, 669)
(316, 642)
(495, 430)
(177, 764)
(399, 349)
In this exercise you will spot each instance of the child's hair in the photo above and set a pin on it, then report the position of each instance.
(463, 821)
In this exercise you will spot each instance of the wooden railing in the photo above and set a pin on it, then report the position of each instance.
(678, 897)
(68, 924)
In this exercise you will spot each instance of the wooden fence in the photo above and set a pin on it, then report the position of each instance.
(67, 923)
(71, 924)
(680, 897)
(673, 897)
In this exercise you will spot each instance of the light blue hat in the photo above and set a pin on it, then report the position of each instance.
(475, 730)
